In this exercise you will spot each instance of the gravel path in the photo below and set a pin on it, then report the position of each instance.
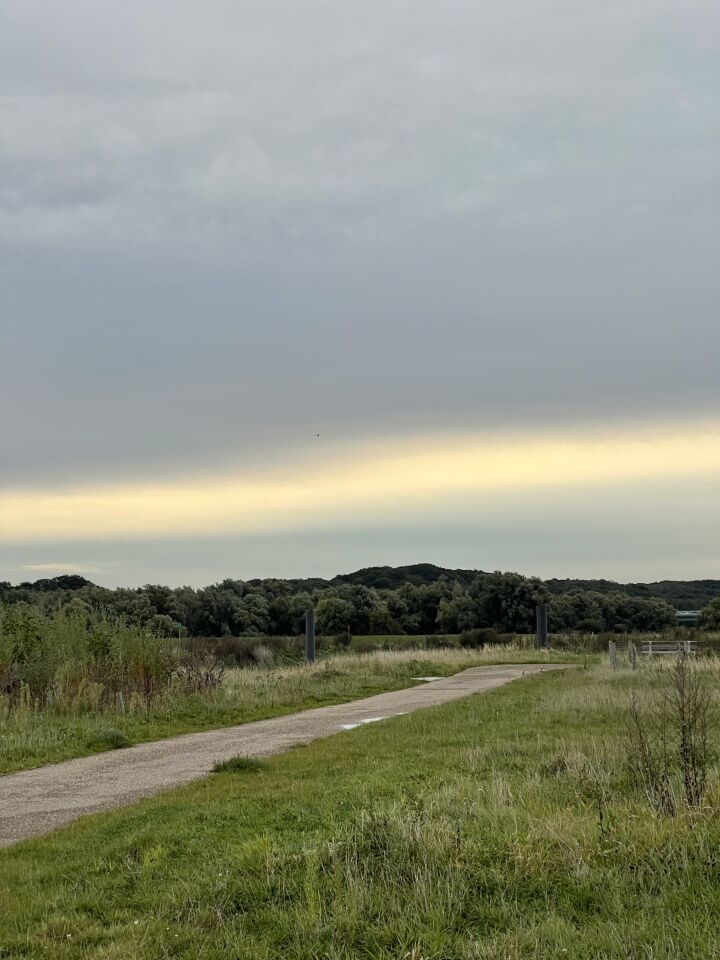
(34, 802)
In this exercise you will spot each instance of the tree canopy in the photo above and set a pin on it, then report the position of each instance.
(418, 600)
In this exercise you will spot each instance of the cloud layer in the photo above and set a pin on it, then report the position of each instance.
(445, 477)
(226, 228)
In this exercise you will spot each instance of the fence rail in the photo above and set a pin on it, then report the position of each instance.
(654, 648)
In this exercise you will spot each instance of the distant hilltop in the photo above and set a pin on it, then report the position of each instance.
(682, 594)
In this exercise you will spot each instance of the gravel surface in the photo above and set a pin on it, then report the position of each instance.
(35, 802)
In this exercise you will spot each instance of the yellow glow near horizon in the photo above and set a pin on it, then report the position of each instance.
(363, 483)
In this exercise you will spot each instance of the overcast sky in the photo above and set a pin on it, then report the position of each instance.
(430, 233)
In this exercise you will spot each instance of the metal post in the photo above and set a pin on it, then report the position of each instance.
(310, 635)
(541, 632)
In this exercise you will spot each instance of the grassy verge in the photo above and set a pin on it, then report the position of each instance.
(30, 736)
(500, 826)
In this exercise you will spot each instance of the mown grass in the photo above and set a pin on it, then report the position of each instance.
(32, 734)
(500, 826)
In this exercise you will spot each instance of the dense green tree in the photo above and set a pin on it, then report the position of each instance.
(403, 608)
(164, 626)
(298, 606)
(334, 615)
(710, 619)
(382, 621)
(256, 610)
(159, 597)
(507, 601)
(416, 600)
(457, 613)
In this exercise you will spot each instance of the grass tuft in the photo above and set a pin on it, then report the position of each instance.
(109, 739)
(239, 765)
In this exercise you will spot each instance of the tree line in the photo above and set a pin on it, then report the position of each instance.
(427, 601)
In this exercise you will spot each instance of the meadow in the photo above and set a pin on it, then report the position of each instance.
(511, 824)
(70, 686)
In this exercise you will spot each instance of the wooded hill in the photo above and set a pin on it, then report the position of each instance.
(682, 594)
(420, 599)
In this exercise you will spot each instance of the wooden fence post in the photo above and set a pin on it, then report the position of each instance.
(612, 650)
(632, 653)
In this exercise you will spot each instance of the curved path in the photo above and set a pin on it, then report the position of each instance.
(34, 802)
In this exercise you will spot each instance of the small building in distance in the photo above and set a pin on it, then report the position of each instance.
(687, 618)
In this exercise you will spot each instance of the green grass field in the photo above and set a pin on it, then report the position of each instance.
(500, 826)
(30, 736)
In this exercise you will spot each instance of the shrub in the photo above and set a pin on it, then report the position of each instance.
(478, 638)
(262, 655)
(201, 673)
(438, 641)
(67, 656)
(366, 645)
(668, 740)
(251, 651)
(235, 650)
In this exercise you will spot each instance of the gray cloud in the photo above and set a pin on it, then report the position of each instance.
(226, 227)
